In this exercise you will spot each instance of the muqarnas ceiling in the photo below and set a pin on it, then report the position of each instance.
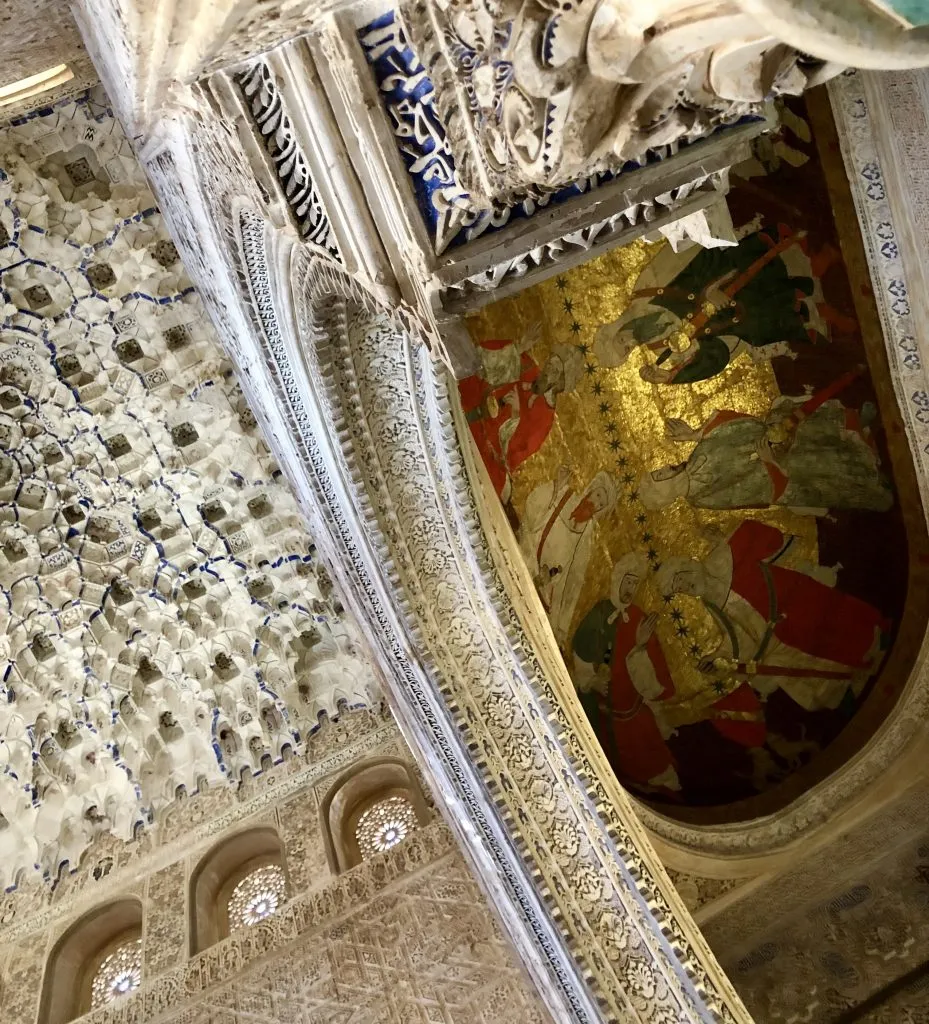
(167, 622)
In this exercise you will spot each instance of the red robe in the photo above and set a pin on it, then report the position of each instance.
(641, 750)
(535, 415)
(809, 615)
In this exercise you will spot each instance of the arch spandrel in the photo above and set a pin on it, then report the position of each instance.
(707, 473)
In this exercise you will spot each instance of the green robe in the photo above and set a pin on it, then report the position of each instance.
(767, 309)
(825, 466)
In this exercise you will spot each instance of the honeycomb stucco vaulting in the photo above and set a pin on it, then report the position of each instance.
(166, 621)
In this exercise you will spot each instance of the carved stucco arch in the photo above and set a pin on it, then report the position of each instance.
(555, 839)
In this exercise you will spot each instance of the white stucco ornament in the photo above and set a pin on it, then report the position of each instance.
(167, 623)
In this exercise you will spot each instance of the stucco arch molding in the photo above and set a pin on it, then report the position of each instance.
(567, 863)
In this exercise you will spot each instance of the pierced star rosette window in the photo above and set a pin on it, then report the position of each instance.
(257, 896)
(119, 974)
(385, 825)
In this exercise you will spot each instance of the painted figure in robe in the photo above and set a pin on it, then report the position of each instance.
(759, 297)
(781, 627)
(808, 454)
(621, 670)
(556, 536)
(510, 404)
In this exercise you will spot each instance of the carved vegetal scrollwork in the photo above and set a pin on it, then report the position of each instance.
(264, 101)
(369, 364)
(540, 94)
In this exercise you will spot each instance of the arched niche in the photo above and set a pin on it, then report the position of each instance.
(75, 959)
(358, 792)
(215, 878)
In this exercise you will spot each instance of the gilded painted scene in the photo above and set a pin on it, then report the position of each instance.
(705, 471)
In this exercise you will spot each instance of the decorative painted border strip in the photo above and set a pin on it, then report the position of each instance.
(881, 236)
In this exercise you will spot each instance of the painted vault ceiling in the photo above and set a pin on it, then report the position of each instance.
(700, 455)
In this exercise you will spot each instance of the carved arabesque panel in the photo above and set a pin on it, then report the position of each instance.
(833, 953)
(537, 96)
(358, 345)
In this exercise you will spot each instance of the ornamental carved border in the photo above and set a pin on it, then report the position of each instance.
(274, 127)
(373, 397)
(620, 952)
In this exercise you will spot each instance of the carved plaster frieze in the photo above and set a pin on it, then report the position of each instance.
(692, 213)
(453, 214)
(392, 914)
(268, 111)
(535, 96)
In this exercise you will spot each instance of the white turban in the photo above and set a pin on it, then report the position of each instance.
(632, 564)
